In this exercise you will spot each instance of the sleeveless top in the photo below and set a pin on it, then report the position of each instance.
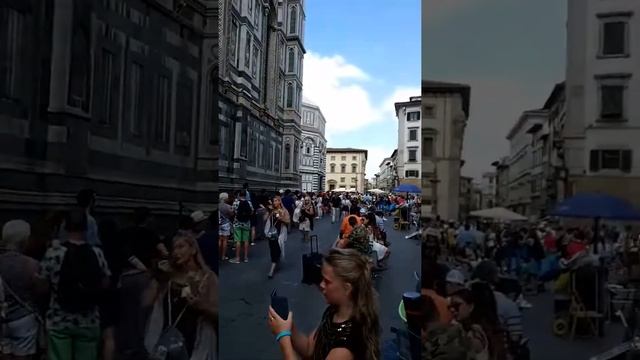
(339, 335)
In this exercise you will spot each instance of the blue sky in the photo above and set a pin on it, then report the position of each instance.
(362, 56)
(510, 52)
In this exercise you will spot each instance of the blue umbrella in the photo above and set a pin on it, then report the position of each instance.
(596, 205)
(407, 188)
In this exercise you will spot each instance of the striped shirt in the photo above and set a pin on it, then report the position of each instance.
(510, 315)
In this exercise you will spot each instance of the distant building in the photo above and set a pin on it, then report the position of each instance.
(445, 110)
(524, 163)
(488, 190)
(409, 130)
(556, 172)
(111, 95)
(386, 174)
(314, 148)
(346, 169)
(502, 182)
(466, 197)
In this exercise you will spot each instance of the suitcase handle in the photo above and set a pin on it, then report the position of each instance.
(311, 243)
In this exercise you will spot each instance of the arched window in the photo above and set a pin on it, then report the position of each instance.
(354, 168)
(293, 20)
(291, 61)
(289, 95)
(333, 168)
(343, 168)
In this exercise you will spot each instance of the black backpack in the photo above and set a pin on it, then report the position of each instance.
(244, 212)
(80, 285)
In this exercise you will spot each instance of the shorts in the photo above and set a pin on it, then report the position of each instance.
(225, 230)
(242, 233)
(21, 337)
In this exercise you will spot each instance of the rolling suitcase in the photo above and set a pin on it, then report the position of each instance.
(312, 264)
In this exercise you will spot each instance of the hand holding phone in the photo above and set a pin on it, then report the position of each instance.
(280, 304)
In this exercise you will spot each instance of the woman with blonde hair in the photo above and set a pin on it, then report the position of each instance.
(187, 302)
(276, 231)
(350, 327)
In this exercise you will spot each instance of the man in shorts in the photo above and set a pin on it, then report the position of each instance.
(243, 211)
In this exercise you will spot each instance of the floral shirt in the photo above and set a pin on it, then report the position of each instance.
(50, 270)
(359, 239)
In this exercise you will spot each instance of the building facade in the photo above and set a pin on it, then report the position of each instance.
(466, 196)
(445, 110)
(314, 148)
(556, 171)
(488, 190)
(110, 95)
(386, 176)
(260, 93)
(523, 171)
(602, 81)
(502, 181)
(346, 169)
(409, 130)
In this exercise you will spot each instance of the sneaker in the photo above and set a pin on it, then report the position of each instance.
(246, 260)
(253, 244)
(234, 261)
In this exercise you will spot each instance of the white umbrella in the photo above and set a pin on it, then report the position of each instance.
(498, 213)
(377, 191)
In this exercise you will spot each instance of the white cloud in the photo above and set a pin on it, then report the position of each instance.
(339, 88)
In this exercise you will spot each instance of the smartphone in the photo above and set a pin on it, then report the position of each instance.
(280, 304)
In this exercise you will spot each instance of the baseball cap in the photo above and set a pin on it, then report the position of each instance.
(363, 211)
(455, 277)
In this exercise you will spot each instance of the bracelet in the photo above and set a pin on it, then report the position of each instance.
(283, 334)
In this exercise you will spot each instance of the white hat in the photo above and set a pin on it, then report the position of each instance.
(198, 216)
(455, 277)
(224, 196)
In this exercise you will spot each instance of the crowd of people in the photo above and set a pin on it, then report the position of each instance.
(246, 217)
(475, 276)
(79, 287)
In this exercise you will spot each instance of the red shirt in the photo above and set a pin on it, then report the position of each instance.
(550, 243)
(575, 247)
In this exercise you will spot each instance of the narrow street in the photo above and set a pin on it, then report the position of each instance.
(246, 290)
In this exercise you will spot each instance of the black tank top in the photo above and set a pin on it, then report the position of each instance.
(339, 335)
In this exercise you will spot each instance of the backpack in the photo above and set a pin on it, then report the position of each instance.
(171, 344)
(244, 212)
(80, 285)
